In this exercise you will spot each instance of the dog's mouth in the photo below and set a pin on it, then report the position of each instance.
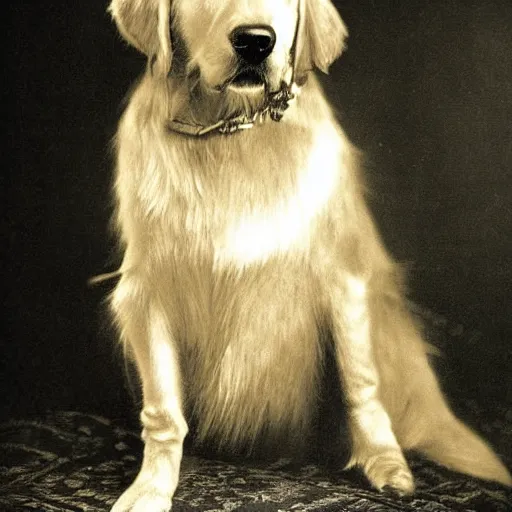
(247, 79)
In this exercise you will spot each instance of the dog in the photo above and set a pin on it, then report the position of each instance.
(246, 238)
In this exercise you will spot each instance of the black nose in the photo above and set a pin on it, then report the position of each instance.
(253, 43)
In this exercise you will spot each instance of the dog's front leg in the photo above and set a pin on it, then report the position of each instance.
(374, 446)
(145, 330)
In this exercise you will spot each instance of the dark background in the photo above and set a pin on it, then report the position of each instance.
(425, 90)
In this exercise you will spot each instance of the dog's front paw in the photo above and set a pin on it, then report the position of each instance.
(387, 471)
(143, 497)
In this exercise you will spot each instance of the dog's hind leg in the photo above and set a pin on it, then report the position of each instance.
(145, 330)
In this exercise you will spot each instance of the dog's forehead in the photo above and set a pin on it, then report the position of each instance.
(273, 12)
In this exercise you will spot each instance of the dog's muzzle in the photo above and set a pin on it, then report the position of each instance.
(252, 45)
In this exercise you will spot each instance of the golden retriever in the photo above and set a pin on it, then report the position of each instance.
(246, 239)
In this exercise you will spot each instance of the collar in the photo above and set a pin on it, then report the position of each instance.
(274, 108)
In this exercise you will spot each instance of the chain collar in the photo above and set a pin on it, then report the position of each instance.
(276, 105)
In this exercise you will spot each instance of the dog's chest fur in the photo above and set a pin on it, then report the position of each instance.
(227, 226)
(238, 205)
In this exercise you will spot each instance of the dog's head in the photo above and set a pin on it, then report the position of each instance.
(241, 49)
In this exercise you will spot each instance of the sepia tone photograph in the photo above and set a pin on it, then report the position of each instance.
(256, 256)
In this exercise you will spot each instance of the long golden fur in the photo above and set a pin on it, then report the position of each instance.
(242, 249)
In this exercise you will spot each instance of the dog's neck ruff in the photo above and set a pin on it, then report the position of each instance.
(275, 107)
(276, 104)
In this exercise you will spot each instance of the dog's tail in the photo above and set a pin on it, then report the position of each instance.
(422, 419)
(457, 447)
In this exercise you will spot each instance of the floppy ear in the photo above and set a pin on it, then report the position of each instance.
(322, 36)
(145, 25)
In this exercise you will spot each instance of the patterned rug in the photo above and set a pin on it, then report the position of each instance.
(70, 461)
